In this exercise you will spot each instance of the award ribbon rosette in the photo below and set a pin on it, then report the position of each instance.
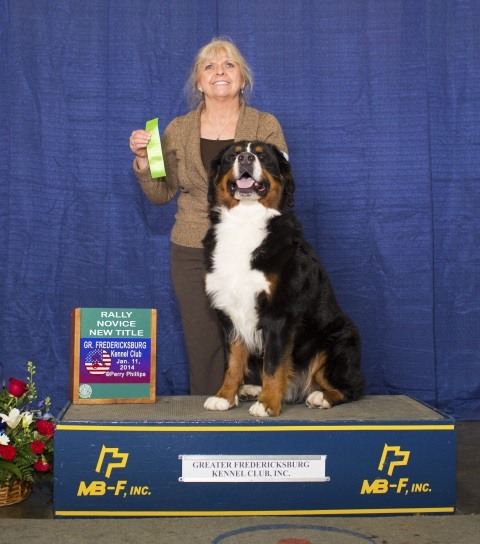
(154, 150)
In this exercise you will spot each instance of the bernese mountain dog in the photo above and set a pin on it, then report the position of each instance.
(276, 305)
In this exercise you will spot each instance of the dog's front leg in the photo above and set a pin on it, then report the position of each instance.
(227, 397)
(276, 375)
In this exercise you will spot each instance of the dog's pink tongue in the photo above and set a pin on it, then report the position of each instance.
(245, 183)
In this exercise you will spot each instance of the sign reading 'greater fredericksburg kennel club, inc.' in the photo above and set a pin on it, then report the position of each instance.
(113, 352)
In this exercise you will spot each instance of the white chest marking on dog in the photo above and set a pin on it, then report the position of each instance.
(232, 285)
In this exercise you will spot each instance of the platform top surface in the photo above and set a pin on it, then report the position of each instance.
(374, 408)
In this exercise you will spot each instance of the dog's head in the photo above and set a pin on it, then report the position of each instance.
(251, 171)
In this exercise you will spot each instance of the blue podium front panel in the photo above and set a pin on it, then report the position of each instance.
(233, 464)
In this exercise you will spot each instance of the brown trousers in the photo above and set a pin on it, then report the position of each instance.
(201, 328)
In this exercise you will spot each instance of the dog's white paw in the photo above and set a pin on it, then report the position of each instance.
(249, 392)
(317, 400)
(258, 410)
(219, 404)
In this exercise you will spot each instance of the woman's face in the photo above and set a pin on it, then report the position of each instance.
(220, 77)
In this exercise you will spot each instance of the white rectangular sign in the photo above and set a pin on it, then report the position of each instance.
(253, 468)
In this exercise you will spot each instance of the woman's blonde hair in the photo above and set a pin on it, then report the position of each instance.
(209, 51)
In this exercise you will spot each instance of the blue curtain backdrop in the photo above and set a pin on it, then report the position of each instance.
(380, 104)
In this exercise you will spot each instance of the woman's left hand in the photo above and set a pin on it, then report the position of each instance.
(138, 142)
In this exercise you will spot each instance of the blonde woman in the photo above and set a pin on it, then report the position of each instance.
(220, 80)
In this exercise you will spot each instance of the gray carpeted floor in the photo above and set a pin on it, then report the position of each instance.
(388, 530)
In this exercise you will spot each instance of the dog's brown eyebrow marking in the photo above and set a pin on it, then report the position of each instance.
(238, 148)
(259, 149)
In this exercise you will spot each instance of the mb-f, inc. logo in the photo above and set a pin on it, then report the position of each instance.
(109, 460)
(391, 458)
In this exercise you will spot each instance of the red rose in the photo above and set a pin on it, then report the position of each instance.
(46, 428)
(41, 465)
(37, 446)
(17, 388)
(8, 452)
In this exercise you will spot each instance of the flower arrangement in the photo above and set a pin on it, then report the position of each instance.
(26, 431)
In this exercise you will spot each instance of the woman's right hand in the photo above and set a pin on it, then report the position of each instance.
(138, 143)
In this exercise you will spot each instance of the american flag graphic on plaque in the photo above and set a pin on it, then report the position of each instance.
(98, 361)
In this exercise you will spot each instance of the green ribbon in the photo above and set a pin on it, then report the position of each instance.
(154, 150)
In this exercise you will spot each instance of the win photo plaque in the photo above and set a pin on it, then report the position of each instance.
(113, 355)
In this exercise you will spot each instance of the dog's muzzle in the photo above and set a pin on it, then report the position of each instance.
(249, 184)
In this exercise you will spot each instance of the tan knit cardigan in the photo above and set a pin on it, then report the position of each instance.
(185, 170)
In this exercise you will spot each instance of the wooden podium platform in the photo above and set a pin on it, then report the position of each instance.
(381, 455)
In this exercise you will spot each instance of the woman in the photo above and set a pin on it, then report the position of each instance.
(219, 80)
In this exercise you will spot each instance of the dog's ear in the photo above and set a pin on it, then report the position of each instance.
(289, 189)
(287, 176)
